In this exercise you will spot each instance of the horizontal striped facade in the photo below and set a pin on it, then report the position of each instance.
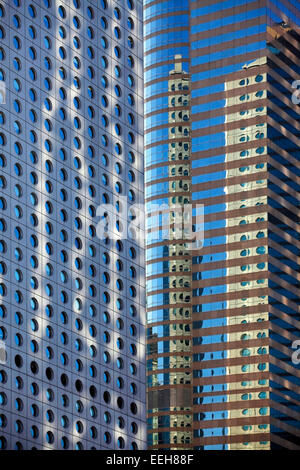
(222, 319)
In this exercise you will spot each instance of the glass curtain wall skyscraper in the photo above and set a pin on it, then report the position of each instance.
(72, 366)
(222, 133)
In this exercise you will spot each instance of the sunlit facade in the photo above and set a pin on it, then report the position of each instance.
(72, 309)
(240, 385)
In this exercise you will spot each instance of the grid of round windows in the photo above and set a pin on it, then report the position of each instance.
(58, 299)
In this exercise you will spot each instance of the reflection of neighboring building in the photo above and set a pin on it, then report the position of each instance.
(243, 301)
(169, 378)
(244, 275)
(246, 387)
